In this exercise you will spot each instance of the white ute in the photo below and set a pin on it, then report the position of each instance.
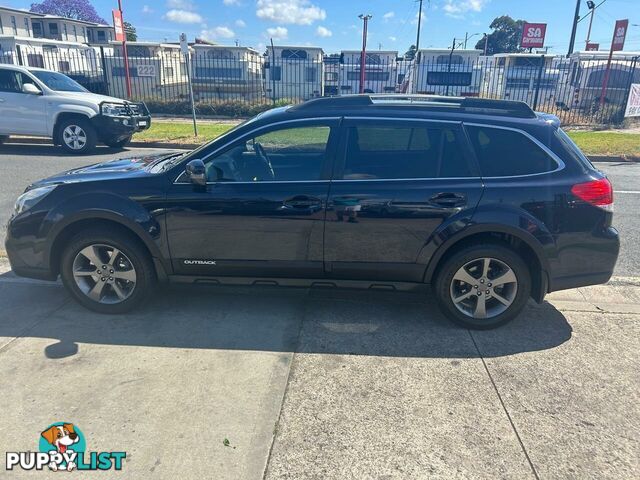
(42, 103)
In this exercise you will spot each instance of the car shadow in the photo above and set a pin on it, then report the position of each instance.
(323, 321)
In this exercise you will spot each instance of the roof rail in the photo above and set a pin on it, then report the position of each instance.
(433, 102)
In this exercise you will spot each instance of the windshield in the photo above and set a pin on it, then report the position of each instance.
(58, 82)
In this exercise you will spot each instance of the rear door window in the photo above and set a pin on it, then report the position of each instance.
(505, 153)
(391, 151)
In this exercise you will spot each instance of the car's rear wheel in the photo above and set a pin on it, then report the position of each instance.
(123, 142)
(483, 286)
(77, 135)
(107, 271)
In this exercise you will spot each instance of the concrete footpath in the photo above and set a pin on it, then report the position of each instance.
(326, 384)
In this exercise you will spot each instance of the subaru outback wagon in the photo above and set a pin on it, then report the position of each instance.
(485, 200)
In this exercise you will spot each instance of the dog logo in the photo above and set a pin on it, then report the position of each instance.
(61, 437)
(62, 447)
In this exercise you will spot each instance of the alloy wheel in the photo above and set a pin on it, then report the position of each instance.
(483, 288)
(104, 274)
(74, 137)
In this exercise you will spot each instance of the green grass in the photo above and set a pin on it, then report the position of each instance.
(607, 143)
(591, 143)
(181, 132)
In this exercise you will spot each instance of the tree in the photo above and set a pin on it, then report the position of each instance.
(130, 30)
(411, 53)
(74, 9)
(505, 37)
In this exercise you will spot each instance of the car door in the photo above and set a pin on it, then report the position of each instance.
(396, 183)
(262, 210)
(22, 113)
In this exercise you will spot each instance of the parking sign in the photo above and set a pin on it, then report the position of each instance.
(533, 35)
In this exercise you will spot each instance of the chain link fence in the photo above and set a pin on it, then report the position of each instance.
(242, 82)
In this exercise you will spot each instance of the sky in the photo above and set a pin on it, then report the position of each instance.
(334, 24)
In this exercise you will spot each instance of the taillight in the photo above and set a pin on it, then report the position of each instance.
(596, 192)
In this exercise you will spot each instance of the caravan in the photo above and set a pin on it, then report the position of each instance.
(446, 72)
(294, 73)
(380, 71)
(223, 72)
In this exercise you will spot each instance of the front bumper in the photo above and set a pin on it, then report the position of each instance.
(119, 127)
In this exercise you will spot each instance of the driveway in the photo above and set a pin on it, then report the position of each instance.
(327, 384)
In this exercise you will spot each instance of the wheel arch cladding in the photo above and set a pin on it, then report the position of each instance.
(517, 241)
(122, 214)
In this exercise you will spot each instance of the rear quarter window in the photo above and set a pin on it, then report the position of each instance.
(505, 153)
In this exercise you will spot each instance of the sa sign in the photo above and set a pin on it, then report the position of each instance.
(118, 25)
(619, 35)
(533, 35)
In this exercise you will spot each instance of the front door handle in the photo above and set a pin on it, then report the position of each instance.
(302, 202)
(449, 199)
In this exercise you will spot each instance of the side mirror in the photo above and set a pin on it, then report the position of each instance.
(30, 89)
(196, 172)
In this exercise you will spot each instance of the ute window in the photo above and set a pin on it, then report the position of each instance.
(285, 155)
(394, 152)
(505, 153)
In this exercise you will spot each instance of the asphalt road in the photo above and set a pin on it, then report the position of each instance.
(23, 164)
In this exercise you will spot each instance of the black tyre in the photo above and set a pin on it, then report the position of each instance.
(117, 143)
(483, 286)
(76, 135)
(107, 271)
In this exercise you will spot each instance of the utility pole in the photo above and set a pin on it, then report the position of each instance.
(576, 17)
(419, 24)
(466, 37)
(124, 53)
(486, 41)
(592, 8)
(363, 54)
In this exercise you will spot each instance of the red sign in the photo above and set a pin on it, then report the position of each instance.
(592, 47)
(533, 35)
(118, 26)
(619, 35)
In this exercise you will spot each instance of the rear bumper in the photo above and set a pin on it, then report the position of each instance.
(591, 264)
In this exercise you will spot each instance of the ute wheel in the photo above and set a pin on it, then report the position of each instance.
(107, 271)
(77, 135)
(483, 286)
(117, 143)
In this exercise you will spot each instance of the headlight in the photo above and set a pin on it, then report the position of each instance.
(113, 109)
(30, 198)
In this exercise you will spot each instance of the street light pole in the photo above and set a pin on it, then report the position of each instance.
(592, 8)
(576, 17)
(124, 52)
(363, 54)
(419, 23)
(486, 41)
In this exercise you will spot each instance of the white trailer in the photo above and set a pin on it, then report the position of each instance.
(293, 73)
(381, 71)
(446, 72)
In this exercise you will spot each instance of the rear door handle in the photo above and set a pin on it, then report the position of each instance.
(449, 199)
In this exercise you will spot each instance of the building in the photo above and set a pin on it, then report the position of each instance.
(293, 73)
(381, 71)
(226, 72)
(331, 75)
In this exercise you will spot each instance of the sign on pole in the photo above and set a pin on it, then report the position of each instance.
(533, 35)
(592, 47)
(118, 25)
(617, 43)
(633, 104)
(619, 35)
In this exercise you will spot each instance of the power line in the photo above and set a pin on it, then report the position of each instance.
(592, 10)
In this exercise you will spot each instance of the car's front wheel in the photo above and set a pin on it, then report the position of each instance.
(483, 286)
(107, 271)
(77, 135)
